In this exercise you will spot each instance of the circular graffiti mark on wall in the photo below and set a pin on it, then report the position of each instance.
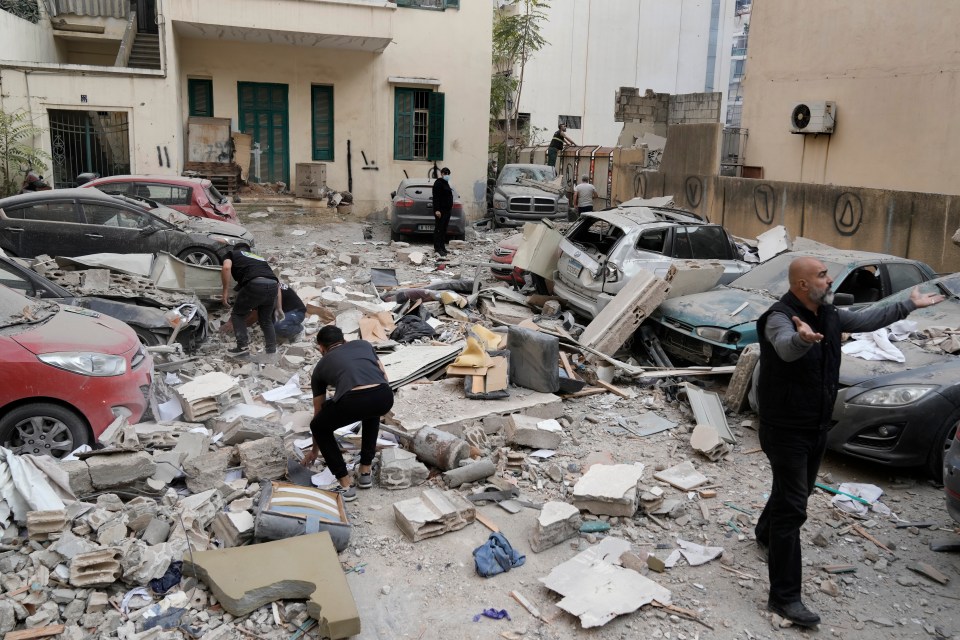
(694, 191)
(763, 203)
(640, 185)
(848, 213)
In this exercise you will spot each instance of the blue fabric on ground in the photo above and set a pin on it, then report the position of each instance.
(496, 555)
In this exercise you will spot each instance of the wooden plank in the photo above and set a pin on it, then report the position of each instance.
(589, 391)
(487, 522)
(929, 571)
(36, 632)
(526, 604)
(863, 532)
(565, 361)
(613, 389)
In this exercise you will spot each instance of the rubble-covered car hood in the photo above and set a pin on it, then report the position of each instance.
(103, 335)
(714, 308)
(200, 225)
(511, 190)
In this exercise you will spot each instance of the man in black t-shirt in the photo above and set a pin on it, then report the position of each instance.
(560, 138)
(293, 312)
(256, 290)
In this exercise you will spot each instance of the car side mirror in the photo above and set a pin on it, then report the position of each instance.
(393, 194)
(842, 299)
(149, 230)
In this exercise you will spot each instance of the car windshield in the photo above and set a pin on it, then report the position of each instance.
(16, 309)
(513, 175)
(772, 275)
(951, 283)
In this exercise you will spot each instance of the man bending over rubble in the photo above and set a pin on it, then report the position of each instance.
(361, 394)
(256, 290)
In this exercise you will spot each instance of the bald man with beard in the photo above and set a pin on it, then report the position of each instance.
(796, 389)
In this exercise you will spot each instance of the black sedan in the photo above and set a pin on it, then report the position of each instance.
(904, 414)
(152, 325)
(76, 222)
(411, 212)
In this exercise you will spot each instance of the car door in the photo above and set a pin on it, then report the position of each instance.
(709, 242)
(118, 229)
(48, 226)
(897, 276)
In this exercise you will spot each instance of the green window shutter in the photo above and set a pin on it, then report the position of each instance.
(451, 4)
(322, 122)
(435, 139)
(404, 3)
(403, 125)
(200, 97)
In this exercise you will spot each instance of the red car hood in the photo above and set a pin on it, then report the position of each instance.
(69, 330)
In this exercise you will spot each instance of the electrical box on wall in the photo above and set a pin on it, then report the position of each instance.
(813, 117)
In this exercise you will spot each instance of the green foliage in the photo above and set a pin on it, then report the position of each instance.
(17, 153)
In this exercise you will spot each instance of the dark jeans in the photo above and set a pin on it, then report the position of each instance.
(366, 405)
(795, 456)
(580, 211)
(552, 156)
(440, 232)
(291, 325)
(259, 294)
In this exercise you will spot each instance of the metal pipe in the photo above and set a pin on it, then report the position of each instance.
(349, 168)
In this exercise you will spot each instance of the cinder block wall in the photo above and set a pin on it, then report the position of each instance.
(664, 109)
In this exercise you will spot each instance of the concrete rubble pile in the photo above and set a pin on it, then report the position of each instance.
(500, 402)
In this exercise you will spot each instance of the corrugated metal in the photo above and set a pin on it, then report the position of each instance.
(100, 8)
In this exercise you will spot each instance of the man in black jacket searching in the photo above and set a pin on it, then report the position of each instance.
(442, 209)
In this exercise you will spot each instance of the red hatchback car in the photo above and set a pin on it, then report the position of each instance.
(66, 374)
(192, 196)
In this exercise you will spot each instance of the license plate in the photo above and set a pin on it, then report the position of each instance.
(424, 227)
(574, 267)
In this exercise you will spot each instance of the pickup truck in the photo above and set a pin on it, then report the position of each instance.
(526, 193)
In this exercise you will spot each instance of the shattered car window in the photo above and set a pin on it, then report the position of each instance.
(512, 175)
(595, 233)
(772, 275)
(16, 309)
(214, 196)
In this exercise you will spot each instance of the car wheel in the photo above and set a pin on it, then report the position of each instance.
(199, 256)
(941, 442)
(147, 338)
(396, 236)
(43, 428)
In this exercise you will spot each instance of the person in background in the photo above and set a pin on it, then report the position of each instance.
(256, 290)
(556, 144)
(290, 313)
(442, 210)
(797, 386)
(583, 195)
(361, 393)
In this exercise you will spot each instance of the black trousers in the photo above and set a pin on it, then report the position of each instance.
(365, 405)
(259, 294)
(795, 456)
(440, 232)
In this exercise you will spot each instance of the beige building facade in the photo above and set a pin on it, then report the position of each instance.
(374, 90)
(891, 68)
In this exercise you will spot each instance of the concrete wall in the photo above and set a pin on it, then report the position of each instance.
(22, 40)
(893, 69)
(597, 46)
(909, 224)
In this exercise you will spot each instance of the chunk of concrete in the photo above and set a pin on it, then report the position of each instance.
(203, 506)
(263, 459)
(773, 242)
(233, 529)
(99, 568)
(208, 395)
(596, 590)
(558, 521)
(142, 563)
(738, 388)
(400, 469)
(692, 276)
(69, 545)
(617, 321)
(192, 444)
(94, 280)
(609, 489)
(207, 471)
(40, 524)
(527, 431)
(433, 513)
(120, 469)
(683, 476)
(156, 532)
(78, 475)
(243, 429)
(244, 579)
(706, 440)
(169, 465)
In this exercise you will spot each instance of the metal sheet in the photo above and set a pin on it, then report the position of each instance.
(708, 410)
(101, 8)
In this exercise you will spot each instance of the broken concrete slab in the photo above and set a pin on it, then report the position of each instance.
(558, 521)
(738, 388)
(609, 489)
(120, 468)
(410, 363)
(233, 529)
(596, 590)
(617, 321)
(100, 568)
(169, 465)
(773, 242)
(303, 568)
(41, 524)
(536, 433)
(203, 506)
(682, 476)
(443, 405)
(692, 276)
(78, 476)
(706, 440)
(244, 429)
(433, 513)
(400, 469)
(263, 459)
(206, 472)
(208, 395)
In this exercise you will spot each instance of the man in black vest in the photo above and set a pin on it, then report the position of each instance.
(796, 389)
(256, 290)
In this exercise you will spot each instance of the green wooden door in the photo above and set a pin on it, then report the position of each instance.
(264, 115)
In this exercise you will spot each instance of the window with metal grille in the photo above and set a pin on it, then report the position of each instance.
(572, 122)
(322, 122)
(418, 125)
(200, 93)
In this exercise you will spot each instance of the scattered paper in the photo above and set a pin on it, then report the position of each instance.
(696, 554)
(170, 410)
(542, 453)
(289, 390)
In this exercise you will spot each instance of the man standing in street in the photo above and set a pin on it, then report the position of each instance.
(797, 386)
(556, 145)
(583, 195)
(442, 209)
(256, 290)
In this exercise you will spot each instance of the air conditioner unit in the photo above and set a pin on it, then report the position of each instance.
(813, 117)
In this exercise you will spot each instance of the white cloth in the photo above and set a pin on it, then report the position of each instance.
(878, 344)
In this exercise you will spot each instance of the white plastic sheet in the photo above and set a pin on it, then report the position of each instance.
(31, 483)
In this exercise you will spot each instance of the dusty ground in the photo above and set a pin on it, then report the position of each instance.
(430, 589)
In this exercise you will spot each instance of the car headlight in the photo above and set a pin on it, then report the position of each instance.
(87, 364)
(500, 252)
(611, 273)
(896, 395)
(231, 240)
(717, 334)
(563, 205)
(500, 203)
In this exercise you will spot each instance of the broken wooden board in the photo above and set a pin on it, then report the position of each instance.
(244, 579)
(929, 571)
(596, 590)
